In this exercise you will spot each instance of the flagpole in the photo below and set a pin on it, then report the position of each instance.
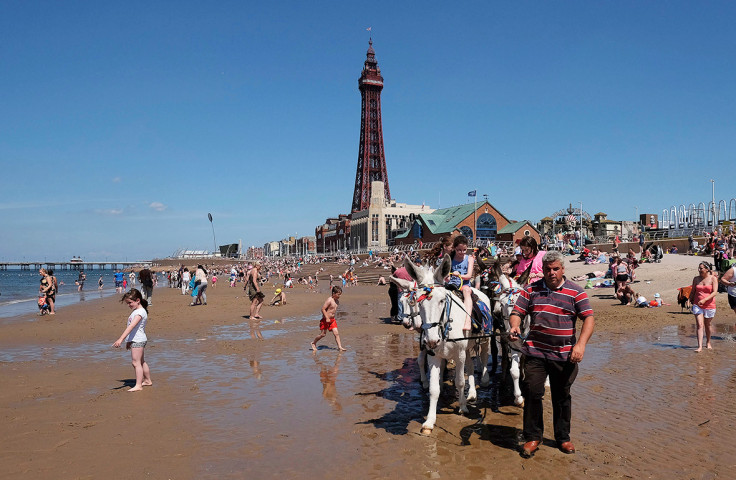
(475, 222)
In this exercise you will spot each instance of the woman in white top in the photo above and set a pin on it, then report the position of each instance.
(135, 337)
(200, 280)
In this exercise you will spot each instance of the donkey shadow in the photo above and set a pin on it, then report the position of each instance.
(412, 402)
(405, 389)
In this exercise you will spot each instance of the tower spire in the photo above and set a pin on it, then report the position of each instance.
(371, 159)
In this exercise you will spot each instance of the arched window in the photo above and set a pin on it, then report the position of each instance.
(416, 231)
(486, 227)
(468, 232)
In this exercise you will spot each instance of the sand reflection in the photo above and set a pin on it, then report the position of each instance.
(328, 376)
(255, 329)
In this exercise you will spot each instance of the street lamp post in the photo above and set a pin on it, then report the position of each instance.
(581, 223)
(713, 192)
(636, 218)
(214, 240)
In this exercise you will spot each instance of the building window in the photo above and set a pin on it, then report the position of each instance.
(416, 231)
(486, 227)
(374, 228)
(527, 233)
(468, 232)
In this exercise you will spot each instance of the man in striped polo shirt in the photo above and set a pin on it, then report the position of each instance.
(554, 305)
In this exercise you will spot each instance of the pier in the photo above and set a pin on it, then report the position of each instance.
(73, 265)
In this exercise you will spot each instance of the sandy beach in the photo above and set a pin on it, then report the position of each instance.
(235, 398)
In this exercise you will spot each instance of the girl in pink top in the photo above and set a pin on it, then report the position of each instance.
(703, 297)
(530, 254)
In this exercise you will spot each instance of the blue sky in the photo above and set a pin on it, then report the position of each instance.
(124, 123)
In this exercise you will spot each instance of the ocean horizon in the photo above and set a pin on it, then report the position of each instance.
(19, 289)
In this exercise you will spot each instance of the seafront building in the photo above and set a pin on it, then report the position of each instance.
(481, 223)
(382, 221)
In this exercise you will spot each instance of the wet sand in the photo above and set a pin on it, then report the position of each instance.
(227, 404)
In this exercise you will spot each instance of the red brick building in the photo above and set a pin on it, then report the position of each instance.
(479, 222)
(334, 235)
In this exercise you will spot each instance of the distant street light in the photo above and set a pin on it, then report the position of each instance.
(713, 185)
(214, 240)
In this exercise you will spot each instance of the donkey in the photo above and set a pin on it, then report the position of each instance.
(442, 317)
(409, 316)
(504, 291)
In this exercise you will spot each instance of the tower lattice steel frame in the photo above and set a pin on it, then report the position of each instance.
(371, 159)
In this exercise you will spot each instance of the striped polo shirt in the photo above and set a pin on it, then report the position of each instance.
(553, 315)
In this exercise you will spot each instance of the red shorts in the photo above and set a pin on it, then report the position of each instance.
(325, 324)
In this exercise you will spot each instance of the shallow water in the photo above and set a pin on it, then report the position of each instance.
(271, 407)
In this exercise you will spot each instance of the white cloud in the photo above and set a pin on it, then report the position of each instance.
(116, 180)
(109, 211)
(158, 206)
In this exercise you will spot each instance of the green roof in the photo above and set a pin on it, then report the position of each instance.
(513, 227)
(445, 220)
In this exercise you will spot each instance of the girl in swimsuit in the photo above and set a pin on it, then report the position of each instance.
(703, 297)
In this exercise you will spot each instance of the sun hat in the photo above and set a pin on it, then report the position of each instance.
(278, 290)
(517, 251)
(656, 295)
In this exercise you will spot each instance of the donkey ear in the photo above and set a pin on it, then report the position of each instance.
(497, 271)
(479, 260)
(402, 283)
(525, 276)
(412, 269)
(443, 270)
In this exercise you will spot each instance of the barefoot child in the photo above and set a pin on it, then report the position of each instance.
(135, 337)
(328, 319)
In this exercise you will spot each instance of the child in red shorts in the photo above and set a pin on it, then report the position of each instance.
(328, 322)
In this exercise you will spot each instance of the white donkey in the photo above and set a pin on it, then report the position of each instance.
(478, 348)
(410, 319)
(443, 315)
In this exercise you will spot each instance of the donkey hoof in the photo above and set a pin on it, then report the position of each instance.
(519, 402)
(426, 431)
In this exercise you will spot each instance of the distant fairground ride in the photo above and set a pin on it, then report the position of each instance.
(567, 220)
(700, 215)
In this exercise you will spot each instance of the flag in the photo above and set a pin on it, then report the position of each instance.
(368, 29)
(471, 193)
(422, 205)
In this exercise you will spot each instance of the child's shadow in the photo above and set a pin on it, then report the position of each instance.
(322, 347)
(127, 383)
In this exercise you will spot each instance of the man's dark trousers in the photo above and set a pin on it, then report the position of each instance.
(534, 372)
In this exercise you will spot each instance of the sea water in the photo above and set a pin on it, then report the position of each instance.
(19, 289)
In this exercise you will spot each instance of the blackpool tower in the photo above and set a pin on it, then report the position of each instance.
(371, 160)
